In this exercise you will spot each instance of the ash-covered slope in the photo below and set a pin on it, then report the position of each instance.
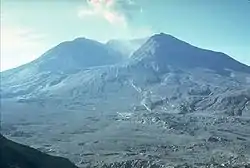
(54, 65)
(170, 104)
(163, 67)
(197, 79)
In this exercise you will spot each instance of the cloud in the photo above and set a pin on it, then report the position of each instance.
(19, 45)
(115, 12)
(122, 16)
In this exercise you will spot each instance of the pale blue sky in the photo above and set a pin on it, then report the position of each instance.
(29, 27)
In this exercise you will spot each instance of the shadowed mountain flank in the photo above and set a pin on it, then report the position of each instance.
(21, 156)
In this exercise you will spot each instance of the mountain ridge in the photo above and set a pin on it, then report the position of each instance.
(159, 56)
(166, 49)
(160, 38)
(165, 100)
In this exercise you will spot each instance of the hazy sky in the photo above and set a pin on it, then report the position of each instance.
(30, 27)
